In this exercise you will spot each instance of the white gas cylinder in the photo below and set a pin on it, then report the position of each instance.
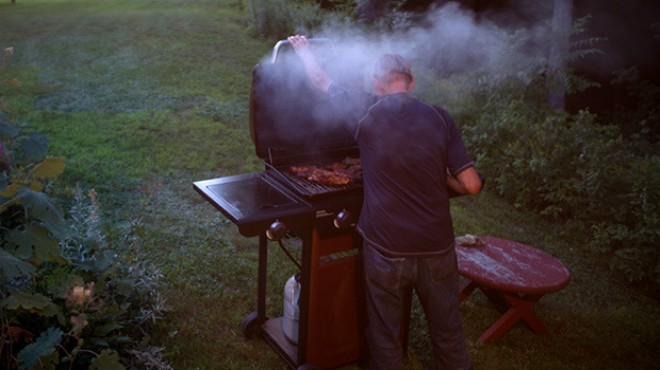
(291, 310)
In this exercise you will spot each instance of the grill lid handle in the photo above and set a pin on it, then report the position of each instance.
(282, 43)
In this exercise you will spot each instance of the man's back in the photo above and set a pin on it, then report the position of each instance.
(405, 149)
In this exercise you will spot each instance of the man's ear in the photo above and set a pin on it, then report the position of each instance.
(376, 85)
(411, 85)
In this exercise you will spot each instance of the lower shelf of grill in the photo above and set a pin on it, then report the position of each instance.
(273, 333)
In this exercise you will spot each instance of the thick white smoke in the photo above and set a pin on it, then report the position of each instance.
(444, 41)
(447, 39)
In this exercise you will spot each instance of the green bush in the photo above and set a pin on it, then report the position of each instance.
(86, 307)
(575, 170)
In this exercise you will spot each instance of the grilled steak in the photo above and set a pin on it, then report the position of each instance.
(335, 174)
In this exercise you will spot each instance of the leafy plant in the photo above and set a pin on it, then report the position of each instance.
(31, 224)
(93, 309)
(573, 170)
(67, 300)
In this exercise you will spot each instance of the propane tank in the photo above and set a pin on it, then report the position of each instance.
(291, 309)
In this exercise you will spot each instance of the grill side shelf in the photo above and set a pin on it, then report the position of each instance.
(252, 203)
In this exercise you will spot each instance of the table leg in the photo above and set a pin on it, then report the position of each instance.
(524, 306)
(466, 290)
(520, 308)
(496, 298)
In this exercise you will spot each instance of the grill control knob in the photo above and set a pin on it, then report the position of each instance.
(277, 230)
(343, 219)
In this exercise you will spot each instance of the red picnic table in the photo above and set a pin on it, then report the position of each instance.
(512, 275)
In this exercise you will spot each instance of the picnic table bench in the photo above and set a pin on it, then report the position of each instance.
(513, 276)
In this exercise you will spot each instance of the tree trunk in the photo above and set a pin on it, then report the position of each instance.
(562, 20)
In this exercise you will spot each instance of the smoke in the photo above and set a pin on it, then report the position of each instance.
(444, 41)
(509, 40)
(447, 40)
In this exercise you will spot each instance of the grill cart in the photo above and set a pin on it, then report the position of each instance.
(291, 127)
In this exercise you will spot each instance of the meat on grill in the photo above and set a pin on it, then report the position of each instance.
(334, 174)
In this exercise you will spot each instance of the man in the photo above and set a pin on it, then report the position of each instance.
(411, 154)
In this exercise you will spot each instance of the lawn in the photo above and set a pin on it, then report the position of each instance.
(144, 97)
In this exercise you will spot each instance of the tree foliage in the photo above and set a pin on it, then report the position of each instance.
(577, 169)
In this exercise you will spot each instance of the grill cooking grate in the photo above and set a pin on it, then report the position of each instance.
(314, 188)
(308, 188)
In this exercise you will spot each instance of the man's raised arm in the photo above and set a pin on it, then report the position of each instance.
(316, 74)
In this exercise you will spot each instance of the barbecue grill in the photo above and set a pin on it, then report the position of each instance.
(291, 125)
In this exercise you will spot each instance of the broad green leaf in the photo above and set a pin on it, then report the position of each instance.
(39, 203)
(33, 148)
(45, 345)
(26, 300)
(34, 241)
(49, 168)
(12, 267)
(36, 185)
(41, 208)
(57, 230)
(107, 360)
(11, 190)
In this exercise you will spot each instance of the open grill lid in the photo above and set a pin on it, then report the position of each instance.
(289, 118)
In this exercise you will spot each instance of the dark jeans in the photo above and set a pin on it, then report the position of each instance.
(435, 280)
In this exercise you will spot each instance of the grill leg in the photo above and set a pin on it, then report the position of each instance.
(253, 323)
(261, 283)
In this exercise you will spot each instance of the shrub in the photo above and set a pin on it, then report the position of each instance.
(89, 308)
(573, 170)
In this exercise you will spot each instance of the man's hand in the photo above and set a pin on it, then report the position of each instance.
(465, 182)
(300, 44)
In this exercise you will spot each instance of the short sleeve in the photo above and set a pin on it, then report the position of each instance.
(458, 159)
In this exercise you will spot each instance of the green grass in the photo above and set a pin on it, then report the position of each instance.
(145, 97)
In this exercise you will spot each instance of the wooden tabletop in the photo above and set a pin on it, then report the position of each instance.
(509, 266)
